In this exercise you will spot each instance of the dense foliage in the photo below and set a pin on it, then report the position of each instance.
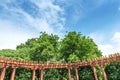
(113, 71)
(49, 48)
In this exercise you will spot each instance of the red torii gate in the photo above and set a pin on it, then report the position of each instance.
(14, 64)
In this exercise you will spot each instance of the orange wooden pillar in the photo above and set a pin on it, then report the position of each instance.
(33, 74)
(2, 74)
(76, 73)
(41, 74)
(13, 74)
(95, 73)
(103, 72)
(69, 74)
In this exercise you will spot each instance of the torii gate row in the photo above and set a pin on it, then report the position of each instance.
(5, 63)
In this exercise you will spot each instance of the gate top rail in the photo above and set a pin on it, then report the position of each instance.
(7, 62)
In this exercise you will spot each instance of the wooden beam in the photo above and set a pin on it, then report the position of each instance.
(95, 73)
(69, 74)
(103, 72)
(13, 74)
(41, 74)
(2, 74)
(33, 74)
(76, 73)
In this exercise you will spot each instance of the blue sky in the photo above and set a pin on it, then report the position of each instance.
(24, 19)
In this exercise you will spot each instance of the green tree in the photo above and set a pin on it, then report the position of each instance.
(76, 47)
(46, 49)
(113, 71)
(43, 49)
(21, 54)
(49, 48)
(7, 53)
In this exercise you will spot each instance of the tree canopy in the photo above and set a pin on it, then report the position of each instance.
(75, 47)
(50, 48)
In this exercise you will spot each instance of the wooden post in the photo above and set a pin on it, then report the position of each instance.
(13, 74)
(33, 74)
(2, 75)
(41, 74)
(95, 73)
(103, 72)
(69, 74)
(76, 73)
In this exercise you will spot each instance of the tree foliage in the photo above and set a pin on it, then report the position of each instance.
(113, 71)
(75, 47)
(49, 48)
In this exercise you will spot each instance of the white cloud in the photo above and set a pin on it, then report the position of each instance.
(20, 25)
(116, 37)
(80, 8)
(10, 37)
(50, 17)
(111, 46)
(96, 37)
(106, 49)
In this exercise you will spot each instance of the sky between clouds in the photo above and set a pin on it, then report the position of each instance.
(24, 19)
